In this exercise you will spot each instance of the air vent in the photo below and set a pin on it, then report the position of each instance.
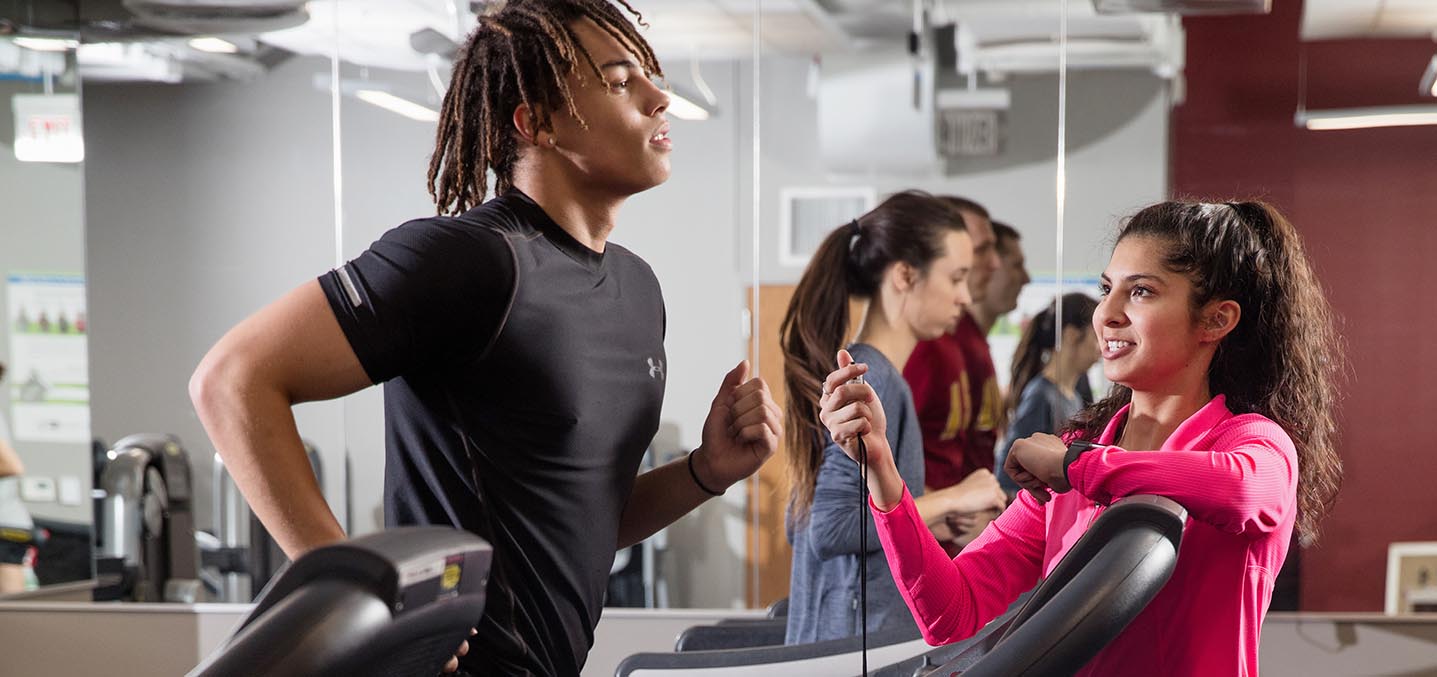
(199, 17)
(1184, 7)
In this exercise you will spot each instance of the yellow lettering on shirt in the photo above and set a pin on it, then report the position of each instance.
(992, 400)
(959, 406)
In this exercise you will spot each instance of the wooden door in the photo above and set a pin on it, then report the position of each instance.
(768, 543)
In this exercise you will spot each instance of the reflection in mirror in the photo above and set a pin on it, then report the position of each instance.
(45, 450)
(209, 193)
(959, 100)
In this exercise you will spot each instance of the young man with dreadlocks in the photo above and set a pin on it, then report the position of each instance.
(522, 353)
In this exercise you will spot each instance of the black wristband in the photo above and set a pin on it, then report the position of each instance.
(695, 475)
(1075, 449)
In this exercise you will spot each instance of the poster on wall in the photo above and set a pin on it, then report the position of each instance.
(48, 365)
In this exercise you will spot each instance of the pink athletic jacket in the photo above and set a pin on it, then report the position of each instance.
(1237, 477)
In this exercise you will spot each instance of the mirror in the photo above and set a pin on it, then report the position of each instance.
(217, 176)
(210, 190)
(45, 398)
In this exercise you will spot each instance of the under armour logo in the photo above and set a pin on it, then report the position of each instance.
(656, 369)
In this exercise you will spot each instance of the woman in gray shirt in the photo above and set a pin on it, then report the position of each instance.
(909, 259)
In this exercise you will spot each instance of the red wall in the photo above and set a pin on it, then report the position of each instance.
(1366, 203)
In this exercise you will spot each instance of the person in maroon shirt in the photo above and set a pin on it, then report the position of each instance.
(955, 386)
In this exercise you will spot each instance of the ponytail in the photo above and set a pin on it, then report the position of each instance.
(811, 334)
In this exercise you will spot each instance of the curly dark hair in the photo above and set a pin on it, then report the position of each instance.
(522, 52)
(1283, 360)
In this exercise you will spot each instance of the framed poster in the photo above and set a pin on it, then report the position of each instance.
(1411, 578)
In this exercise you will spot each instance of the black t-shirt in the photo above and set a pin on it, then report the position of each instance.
(523, 378)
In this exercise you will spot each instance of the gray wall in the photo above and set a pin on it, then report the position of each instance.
(203, 202)
(42, 229)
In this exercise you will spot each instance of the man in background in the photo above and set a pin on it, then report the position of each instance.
(955, 388)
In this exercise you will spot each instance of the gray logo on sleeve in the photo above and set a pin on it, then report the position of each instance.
(656, 369)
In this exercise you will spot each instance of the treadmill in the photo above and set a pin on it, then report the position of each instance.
(393, 603)
(1104, 581)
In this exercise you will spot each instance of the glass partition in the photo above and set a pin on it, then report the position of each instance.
(955, 99)
(45, 481)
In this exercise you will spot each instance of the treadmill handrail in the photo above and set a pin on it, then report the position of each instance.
(786, 653)
(1104, 581)
(1124, 513)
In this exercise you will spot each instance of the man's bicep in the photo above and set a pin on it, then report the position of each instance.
(296, 344)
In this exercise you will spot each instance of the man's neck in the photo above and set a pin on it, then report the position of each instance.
(586, 215)
(982, 316)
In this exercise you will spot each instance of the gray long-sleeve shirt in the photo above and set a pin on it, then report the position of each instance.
(824, 591)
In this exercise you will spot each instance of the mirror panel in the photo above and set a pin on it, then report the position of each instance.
(46, 393)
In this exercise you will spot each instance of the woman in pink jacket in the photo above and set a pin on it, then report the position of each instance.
(1222, 347)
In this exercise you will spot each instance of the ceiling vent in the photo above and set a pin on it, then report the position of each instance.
(208, 17)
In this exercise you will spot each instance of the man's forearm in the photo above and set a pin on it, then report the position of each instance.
(254, 431)
(661, 496)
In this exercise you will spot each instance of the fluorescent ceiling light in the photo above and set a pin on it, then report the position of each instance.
(214, 45)
(1367, 118)
(46, 44)
(395, 104)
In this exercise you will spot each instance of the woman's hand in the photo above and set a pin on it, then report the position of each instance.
(978, 492)
(1036, 464)
(849, 410)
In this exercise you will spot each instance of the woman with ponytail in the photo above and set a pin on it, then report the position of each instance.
(909, 259)
(1042, 393)
(1221, 345)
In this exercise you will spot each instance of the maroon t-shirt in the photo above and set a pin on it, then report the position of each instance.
(955, 391)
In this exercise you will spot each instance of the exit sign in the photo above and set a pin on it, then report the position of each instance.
(47, 128)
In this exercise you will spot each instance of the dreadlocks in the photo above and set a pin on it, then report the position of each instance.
(522, 52)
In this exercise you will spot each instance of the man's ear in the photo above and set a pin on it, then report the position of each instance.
(525, 124)
(1219, 318)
